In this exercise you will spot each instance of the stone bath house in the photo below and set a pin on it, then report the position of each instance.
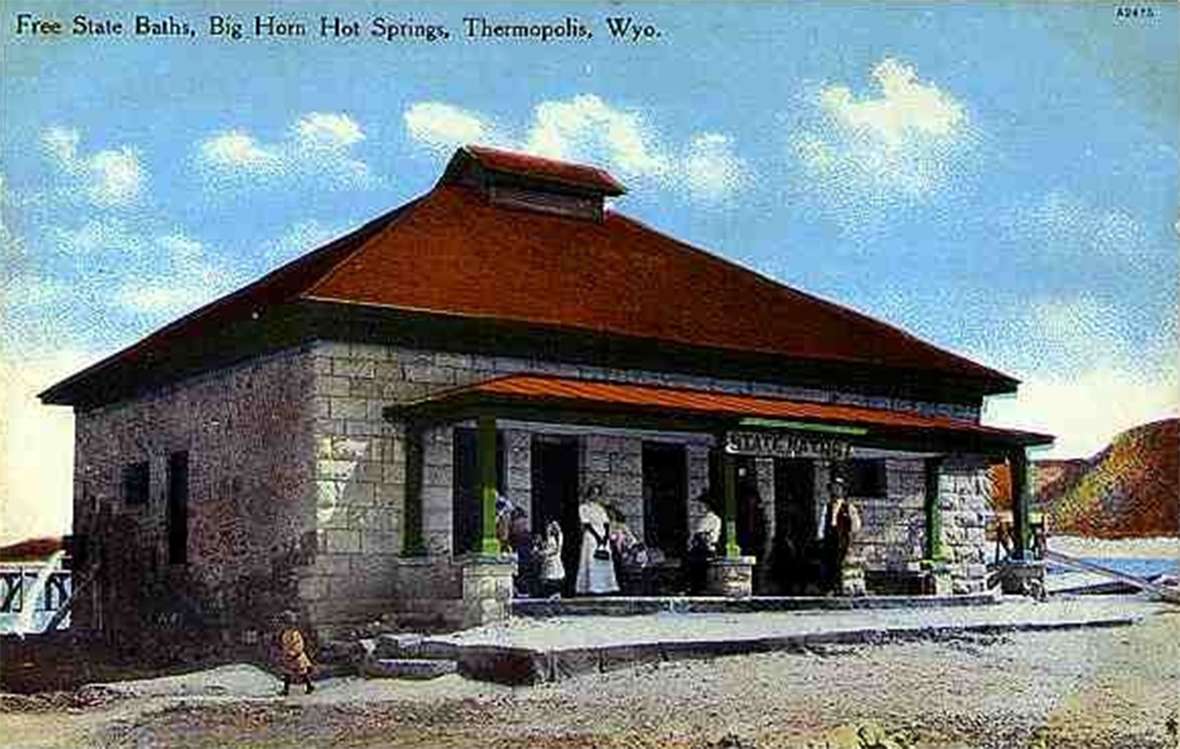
(333, 436)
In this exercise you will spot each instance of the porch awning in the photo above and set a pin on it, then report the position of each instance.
(551, 398)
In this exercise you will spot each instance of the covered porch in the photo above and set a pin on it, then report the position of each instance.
(732, 444)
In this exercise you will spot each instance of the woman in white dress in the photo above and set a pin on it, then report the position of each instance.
(596, 570)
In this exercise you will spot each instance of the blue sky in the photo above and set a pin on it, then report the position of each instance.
(1000, 179)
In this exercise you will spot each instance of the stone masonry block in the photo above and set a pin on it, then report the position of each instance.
(368, 351)
(333, 564)
(313, 588)
(358, 493)
(333, 386)
(341, 541)
(368, 471)
(345, 448)
(360, 388)
(393, 473)
(436, 498)
(387, 370)
(361, 428)
(437, 476)
(455, 361)
(428, 373)
(379, 542)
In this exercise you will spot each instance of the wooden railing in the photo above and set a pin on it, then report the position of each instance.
(25, 605)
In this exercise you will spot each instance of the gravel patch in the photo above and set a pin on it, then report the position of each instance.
(1100, 688)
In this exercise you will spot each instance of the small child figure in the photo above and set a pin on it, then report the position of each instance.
(292, 660)
(552, 569)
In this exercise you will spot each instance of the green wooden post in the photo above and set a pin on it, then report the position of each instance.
(933, 509)
(1021, 499)
(486, 451)
(729, 493)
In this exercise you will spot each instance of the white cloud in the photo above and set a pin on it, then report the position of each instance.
(25, 291)
(1084, 410)
(1063, 224)
(107, 178)
(184, 280)
(299, 238)
(902, 143)
(586, 126)
(235, 149)
(62, 144)
(11, 246)
(319, 146)
(589, 129)
(1084, 380)
(328, 130)
(712, 169)
(97, 236)
(905, 108)
(443, 127)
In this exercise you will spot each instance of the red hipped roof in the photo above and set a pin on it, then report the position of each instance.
(452, 252)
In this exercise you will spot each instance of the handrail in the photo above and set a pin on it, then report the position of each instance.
(1171, 595)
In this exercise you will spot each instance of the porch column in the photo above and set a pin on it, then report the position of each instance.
(933, 508)
(1021, 500)
(729, 495)
(486, 460)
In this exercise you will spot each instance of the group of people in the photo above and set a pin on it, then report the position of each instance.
(606, 546)
(541, 570)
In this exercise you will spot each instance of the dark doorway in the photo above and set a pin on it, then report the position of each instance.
(750, 522)
(751, 515)
(467, 504)
(177, 508)
(796, 551)
(555, 496)
(665, 498)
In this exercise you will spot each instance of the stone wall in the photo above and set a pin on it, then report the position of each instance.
(963, 492)
(697, 456)
(894, 526)
(361, 474)
(616, 463)
(893, 538)
(291, 459)
(248, 434)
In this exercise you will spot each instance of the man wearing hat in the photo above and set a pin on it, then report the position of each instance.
(841, 525)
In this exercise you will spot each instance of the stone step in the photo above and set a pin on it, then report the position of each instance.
(405, 645)
(408, 668)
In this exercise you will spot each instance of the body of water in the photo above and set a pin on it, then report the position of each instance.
(1138, 566)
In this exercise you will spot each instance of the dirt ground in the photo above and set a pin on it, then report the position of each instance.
(1115, 687)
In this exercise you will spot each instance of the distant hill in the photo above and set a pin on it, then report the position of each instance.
(1130, 489)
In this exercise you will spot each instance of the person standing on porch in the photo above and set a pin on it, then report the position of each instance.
(841, 525)
(596, 570)
(552, 569)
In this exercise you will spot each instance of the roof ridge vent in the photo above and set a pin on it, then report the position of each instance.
(519, 180)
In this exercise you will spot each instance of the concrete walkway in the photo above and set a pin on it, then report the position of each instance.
(530, 651)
